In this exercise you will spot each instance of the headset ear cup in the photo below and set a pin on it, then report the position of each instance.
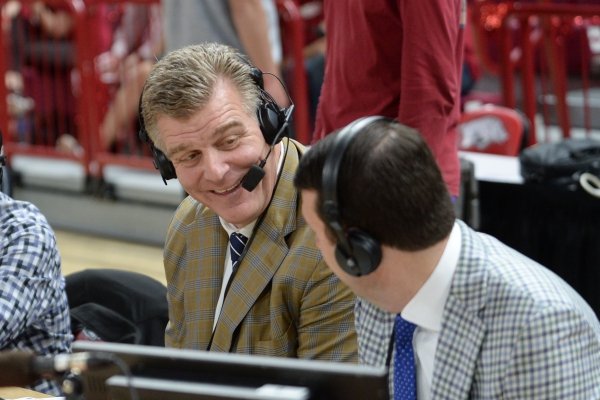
(366, 253)
(163, 164)
(356, 252)
(270, 120)
(270, 117)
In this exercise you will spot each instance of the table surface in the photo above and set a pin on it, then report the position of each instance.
(17, 392)
(495, 168)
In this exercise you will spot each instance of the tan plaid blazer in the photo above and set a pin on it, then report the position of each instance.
(283, 299)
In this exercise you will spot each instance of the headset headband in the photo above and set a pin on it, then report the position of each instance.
(357, 252)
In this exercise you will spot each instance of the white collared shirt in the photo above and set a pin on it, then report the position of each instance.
(425, 310)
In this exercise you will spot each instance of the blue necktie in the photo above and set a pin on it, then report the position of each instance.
(405, 383)
(237, 242)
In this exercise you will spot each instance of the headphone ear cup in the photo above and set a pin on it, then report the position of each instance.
(366, 254)
(163, 164)
(270, 120)
(270, 117)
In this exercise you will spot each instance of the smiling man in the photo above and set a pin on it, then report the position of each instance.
(268, 292)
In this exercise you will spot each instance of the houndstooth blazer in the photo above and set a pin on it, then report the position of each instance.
(511, 329)
(283, 299)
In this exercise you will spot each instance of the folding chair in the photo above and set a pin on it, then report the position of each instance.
(493, 129)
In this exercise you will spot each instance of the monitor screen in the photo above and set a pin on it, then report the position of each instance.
(162, 373)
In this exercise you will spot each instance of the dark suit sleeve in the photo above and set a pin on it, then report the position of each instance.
(326, 323)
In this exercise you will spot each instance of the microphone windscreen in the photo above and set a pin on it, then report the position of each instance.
(253, 177)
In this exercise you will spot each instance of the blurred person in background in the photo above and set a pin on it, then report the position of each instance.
(41, 62)
(42, 73)
(400, 59)
(147, 31)
(250, 26)
(137, 44)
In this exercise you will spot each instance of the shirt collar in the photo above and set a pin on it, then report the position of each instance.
(230, 228)
(425, 309)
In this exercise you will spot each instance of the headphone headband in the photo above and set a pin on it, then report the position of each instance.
(356, 252)
(334, 161)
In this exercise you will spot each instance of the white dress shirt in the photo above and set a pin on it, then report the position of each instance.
(425, 310)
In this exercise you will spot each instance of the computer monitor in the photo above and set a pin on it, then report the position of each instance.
(119, 388)
(162, 373)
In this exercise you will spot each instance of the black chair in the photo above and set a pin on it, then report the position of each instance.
(117, 306)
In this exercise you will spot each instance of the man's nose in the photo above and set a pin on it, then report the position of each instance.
(214, 166)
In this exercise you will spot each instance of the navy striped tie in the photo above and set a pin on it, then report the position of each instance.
(237, 242)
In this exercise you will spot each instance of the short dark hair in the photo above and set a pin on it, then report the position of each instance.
(389, 186)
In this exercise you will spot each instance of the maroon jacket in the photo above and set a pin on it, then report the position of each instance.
(397, 58)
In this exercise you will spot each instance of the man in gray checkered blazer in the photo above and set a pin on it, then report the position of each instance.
(490, 322)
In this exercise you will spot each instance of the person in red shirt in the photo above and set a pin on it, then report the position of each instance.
(401, 59)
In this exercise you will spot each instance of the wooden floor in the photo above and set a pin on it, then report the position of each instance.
(80, 252)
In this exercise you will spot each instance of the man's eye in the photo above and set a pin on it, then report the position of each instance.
(230, 141)
(189, 157)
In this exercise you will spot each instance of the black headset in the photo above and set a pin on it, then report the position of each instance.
(357, 252)
(272, 121)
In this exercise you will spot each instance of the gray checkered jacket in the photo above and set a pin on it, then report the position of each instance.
(511, 329)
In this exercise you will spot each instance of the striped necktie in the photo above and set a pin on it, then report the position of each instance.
(237, 242)
(405, 382)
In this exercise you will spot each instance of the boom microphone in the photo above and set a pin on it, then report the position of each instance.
(22, 368)
(256, 172)
(254, 175)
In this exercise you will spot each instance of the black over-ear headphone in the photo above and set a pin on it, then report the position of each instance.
(272, 121)
(356, 251)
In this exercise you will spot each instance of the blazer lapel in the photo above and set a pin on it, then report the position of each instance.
(253, 275)
(264, 256)
(463, 330)
(211, 244)
(456, 354)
